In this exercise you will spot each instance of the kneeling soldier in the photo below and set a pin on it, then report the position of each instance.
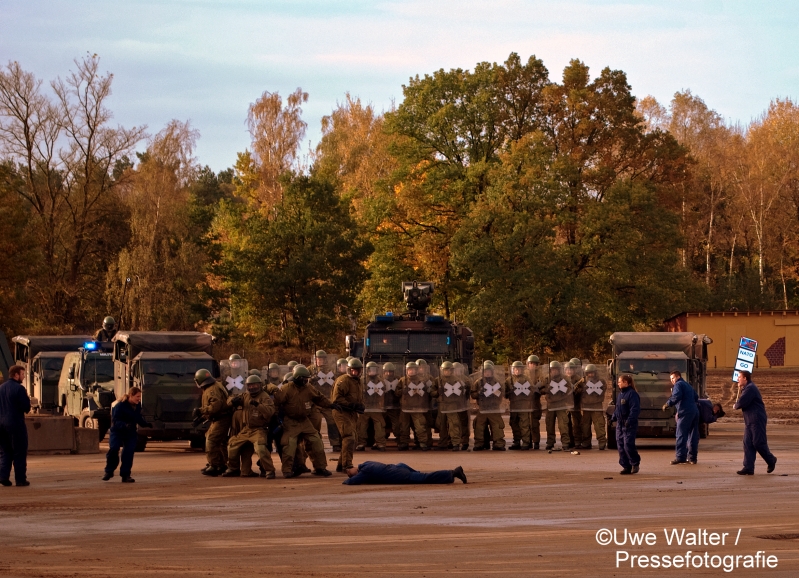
(257, 409)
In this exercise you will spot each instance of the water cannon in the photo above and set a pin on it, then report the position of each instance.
(417, 295)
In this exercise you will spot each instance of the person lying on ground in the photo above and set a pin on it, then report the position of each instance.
(377, 473)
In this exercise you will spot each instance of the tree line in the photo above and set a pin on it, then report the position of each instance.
(548, 213)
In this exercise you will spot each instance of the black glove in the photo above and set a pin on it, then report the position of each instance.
(254, 403)
(197, 421)
(237, 401)
(359, 407)
(196, 413)
(337, 407)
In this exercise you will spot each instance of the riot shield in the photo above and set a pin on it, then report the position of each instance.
(272, 375)
(390, 382)
(520, 390)
(323, 374)
(233, 374)
(558, 389)
(453, 390)
(489, 382)
(374, 399)
(415, 395)
(595, 388)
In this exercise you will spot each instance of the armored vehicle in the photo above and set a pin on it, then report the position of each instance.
(86, 386)
(414, 334)
(27, 347)
(163, 364)
(650, 358)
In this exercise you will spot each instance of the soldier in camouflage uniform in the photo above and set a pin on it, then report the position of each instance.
(374, 400)
(574, 373)
(415, 401)
(323, 377)
(559, 396)
(453, 392)
(215, 409)
(392, 400)
(519, 391)
(348, 403)
(486, 414)
(296, 400)
(107, 331)
(593, 391)
(257, 410)
(533, 371)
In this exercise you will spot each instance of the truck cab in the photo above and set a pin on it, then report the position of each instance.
(27, 347)
(650, 358)
(86, 387)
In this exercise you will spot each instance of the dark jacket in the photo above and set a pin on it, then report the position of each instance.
(684, 398)
(125, 418)
(377, 473)
(14, 404)
(628, 408)
(751, 403)
(705, 407)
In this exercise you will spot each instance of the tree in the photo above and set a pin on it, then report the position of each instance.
(64, 151)
(293, 274)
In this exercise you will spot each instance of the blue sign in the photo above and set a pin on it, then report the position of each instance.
(746, 357)
(749, 344)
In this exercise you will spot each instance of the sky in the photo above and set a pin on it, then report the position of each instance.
(207, 60)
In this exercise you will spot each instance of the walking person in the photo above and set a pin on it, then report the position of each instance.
(14, 404)
(628, 407)
(685, 399)
(125, 419)
(750, 402)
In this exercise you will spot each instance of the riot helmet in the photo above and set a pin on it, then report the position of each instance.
(203, 378)
(389, 370)
(255, 371)
(411, 369)
(254, 384)
(372, 369)
(354, 367)
(109, 323)
(300, 375)
(234, 357)
(291, 364)
(517, 368)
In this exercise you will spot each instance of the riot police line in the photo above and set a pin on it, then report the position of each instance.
(252, 412)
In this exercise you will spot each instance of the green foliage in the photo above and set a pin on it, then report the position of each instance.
(295, 271)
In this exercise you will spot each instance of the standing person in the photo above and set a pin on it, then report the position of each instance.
(415, 401)
(592, 394)
(628, 408)
(533, 363)
(215, 409)
(452, 393)
(392, 402)
(348, 396)
(684, 398)
(125, 419)
(519, 391)
(323, 376)
(489, 393)
(750, 402)
(374, 411)
(296, 400)
(14, 404)
(574, 373)
(560, 400)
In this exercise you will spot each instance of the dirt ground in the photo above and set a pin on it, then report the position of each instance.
(521, 514)
(779, 388)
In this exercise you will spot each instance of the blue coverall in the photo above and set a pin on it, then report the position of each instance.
(755, 419)
(684, 398)
(377, 473)
(14, 404)
(628, 408)
(705, 407)
(124, 421)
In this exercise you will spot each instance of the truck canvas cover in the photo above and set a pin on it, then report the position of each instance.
(39, 343)
(655, 341)
(164, 341)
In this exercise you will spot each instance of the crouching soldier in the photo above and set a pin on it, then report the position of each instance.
(592, 392)
(257, 410)
(296, 400)
(215, 409)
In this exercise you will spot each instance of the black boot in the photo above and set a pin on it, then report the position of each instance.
(108, 476)
(458, 473)
(127, 480)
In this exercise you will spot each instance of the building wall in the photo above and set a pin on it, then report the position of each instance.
(777, 334)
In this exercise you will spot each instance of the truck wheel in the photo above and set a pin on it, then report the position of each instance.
(141, 443)
(704, 430)
(197, 442)
(88, 422)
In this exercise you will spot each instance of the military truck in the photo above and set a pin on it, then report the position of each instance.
(26, 350)
(6, 359)
(414, 334)
(163, 364)
(86, 386)
(650, 358)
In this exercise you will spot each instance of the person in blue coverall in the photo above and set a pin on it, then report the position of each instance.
(684, 398)
(125, 419)
(14, 404)
(377, 473)
(628, 408)
(751, 404)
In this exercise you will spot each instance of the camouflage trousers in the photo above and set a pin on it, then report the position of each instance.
(347, 422)
(495, 423)
(561, 417)
(245, 438)
(378, 421)
(598, 419)
(453, 429)
(520, 426)
(295, 432)
(216, 442)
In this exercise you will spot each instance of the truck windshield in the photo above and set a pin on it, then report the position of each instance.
(99, 370)
(652, 366)
(172, 370)
(51, 368)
